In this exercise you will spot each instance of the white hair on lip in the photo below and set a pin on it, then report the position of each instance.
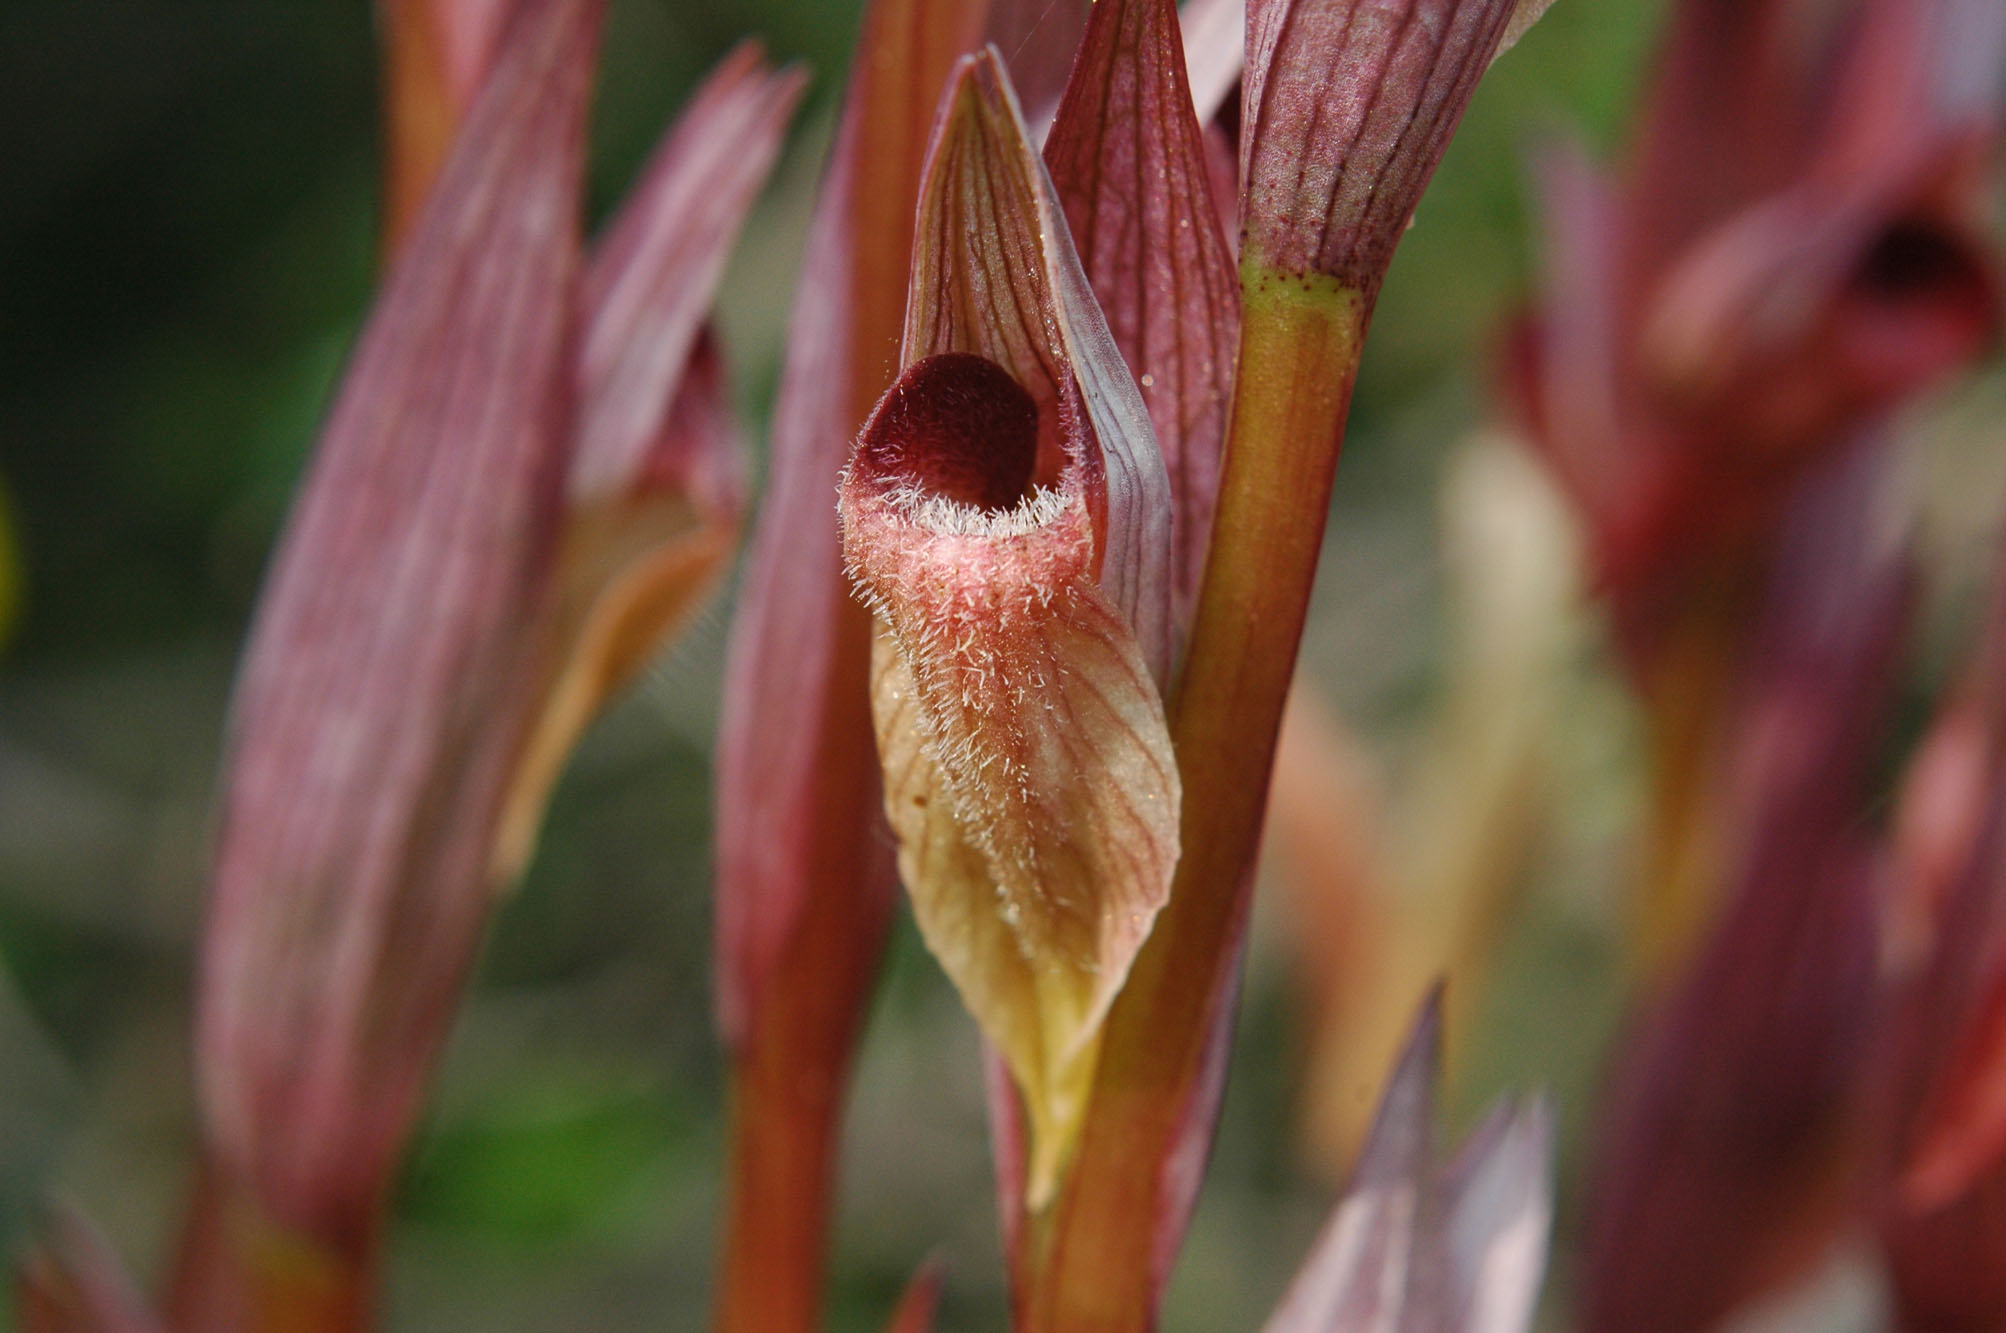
(954, 518)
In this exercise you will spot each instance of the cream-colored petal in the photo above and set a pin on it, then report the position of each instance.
(631, 572)
(1042, 1010)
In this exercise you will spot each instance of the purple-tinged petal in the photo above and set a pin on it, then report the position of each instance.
(379, 710)
(1498, 1211)
(632, 568)
(655, 488)
(1347, 107)
(1129, 162)
(655, 272)
(1417, 1246)
(1357, 1276)
(1730, 1147)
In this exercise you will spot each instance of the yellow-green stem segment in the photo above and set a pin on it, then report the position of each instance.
(1092, 1261)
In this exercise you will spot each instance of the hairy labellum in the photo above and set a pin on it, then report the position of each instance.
(1006, 517)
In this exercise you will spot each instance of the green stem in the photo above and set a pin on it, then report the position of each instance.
(1098, 1249)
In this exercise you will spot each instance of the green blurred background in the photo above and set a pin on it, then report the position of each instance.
(187, 245)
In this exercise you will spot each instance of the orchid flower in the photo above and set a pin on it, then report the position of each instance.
(500, 525)
(1422, 1245)
(805, 883)
(1792, 254)
(1730, 1151)
(1020, 530)
(1942, 1196)
(1007, 516)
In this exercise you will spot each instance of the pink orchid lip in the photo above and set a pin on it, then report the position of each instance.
(956, 427)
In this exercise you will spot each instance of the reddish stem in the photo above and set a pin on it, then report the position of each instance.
(237, 1271)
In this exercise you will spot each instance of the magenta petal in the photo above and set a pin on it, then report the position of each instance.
(380, 705)
(1348, 107)
(654, 274)
(1129, 162)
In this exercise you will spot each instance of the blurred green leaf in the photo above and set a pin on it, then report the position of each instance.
(551, 1158)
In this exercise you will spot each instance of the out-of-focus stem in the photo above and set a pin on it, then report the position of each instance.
(789, 1081)
(804, 858)
(1687, 689)
(237, 1271)
(782, 1164)
(420, 115)
(1096, 1249)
